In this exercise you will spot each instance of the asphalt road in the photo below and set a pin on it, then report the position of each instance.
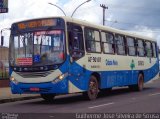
(119, 100)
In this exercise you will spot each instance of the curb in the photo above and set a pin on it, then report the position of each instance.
(18, 99)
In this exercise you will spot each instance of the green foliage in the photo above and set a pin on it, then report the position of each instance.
(4, 74)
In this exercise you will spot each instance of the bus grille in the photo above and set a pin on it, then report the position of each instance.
(34, 74)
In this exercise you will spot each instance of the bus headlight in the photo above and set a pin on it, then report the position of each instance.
(13, 80)
(60, 78)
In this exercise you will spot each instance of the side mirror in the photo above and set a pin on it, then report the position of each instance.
(2, 40)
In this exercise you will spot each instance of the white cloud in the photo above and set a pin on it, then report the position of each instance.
(148, 32)
(89, 11)
(144, 30)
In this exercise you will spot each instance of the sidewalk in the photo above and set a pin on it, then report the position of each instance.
(7, 96)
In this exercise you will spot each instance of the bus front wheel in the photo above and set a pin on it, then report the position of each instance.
(93, 90)
(48, 97)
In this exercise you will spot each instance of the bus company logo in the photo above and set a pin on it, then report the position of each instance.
(111, 62)
(132, 64)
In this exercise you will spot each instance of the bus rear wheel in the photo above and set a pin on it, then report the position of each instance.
(93, 90)
(140, 84)
(48, 97)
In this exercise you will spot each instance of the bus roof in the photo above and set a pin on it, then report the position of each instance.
(97, 26)
(107, 28)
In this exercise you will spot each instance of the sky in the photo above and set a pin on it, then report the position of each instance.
(137, 16)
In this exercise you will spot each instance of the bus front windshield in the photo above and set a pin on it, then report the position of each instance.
(37, 48)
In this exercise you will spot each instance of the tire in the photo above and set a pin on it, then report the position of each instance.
(140, 84)
(48, 97)
(93, 90)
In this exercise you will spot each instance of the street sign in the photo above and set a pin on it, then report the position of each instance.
(3, 6)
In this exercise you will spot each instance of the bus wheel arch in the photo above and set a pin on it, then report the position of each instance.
(141, 72)
(139, 83)
(97, 75)
(93, 87)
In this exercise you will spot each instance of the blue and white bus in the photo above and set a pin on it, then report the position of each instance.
(61, 55)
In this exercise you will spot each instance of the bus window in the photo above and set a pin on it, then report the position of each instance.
(108, 43)
(120, 43)
(75, 40)
(148, 49)
(140, 48)
(154, 49)
(92, 40)
(131, 46)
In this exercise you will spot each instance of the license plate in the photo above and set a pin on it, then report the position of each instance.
(34, 89)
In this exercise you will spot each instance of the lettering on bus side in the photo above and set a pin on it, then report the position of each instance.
(94, 59)
(111, 62)
(140, 63)
(95, 66)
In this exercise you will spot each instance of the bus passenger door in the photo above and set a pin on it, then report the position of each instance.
(75, 42)
(76, 52)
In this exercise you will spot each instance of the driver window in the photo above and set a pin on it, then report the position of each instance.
(75, 40)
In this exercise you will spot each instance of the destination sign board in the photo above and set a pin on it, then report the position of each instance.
(34, 25)
(37, 23)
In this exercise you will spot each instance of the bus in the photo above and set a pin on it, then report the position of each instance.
(62, 55)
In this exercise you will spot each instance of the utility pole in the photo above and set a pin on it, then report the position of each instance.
(104, 8)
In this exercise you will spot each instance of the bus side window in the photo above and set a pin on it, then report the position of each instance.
(131, 46)
(75, 40)
(140, 48)
(154, 49)
(108, 43)
(120, 44)
(92, 39)
(148, 49)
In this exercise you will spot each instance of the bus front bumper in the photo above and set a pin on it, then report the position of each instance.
(40, 88)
